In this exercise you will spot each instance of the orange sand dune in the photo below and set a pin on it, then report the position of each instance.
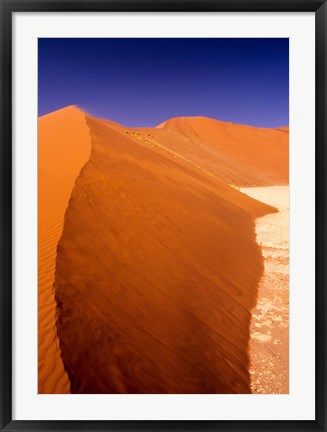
(64, 145)
(157, 267)
(236, 154)
(284, 129)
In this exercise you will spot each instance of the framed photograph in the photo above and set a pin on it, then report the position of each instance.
(163, 215)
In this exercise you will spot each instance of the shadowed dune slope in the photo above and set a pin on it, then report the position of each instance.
(157, 271)
(236, 154)
(64, 145)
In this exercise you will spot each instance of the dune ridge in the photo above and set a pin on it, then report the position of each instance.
(64, 146)
(157, 267)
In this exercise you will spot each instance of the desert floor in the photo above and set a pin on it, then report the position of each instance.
(269, 326)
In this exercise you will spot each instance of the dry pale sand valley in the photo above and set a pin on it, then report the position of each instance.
(163, 256)
(269, 344)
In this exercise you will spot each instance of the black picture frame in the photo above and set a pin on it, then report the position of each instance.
(7, 8)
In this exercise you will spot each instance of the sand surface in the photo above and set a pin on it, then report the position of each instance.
(269, 345)
(157, 271)
(64, 145)
(235, 154)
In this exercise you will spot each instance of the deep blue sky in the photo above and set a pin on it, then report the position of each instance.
(143, 82)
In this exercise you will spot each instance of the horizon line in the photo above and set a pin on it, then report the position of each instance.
(76, 106)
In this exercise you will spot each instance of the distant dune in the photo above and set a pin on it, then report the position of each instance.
(64, 146)
(157, 266)
(236, 154)
(284, 129)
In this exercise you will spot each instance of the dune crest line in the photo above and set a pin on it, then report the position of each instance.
(157, 272)
(64, 146)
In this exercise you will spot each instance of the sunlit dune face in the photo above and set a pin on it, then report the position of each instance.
(64, 146)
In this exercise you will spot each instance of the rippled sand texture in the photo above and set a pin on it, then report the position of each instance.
(269, 346)
(64, 145)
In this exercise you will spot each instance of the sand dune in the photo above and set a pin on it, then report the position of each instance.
(156, 274)
(284, 129)
(64, 145)
(236, 154)
(153, 256)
